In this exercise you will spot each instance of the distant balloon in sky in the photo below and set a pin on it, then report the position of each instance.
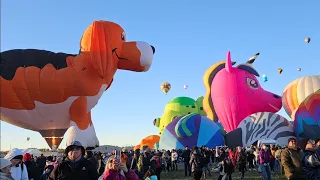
(165, 87)
(299, 69)
(28, 138)
(307, 40)
(185, 86)
(265, 78)
(280, 70)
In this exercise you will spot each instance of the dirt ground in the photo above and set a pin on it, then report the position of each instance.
(179, 175)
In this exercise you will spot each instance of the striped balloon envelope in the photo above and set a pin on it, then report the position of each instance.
(301, 100)
(297, 91)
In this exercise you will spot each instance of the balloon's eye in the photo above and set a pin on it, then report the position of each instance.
(123, 36)
(252, 83)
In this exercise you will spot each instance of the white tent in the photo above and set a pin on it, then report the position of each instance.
(32, 151)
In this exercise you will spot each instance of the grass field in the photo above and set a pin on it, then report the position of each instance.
(179, 175)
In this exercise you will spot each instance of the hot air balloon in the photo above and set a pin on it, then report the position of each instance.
(301, 101)
(185, 86)
(299, 69)
(151, 141)
(28, 138)
(165, 87)
(50, 92)
(307, 40)
(280, 70)
(265, 78)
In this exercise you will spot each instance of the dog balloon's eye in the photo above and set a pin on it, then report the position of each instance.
(123, 36)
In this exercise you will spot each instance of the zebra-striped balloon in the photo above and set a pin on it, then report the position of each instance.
(253, 58)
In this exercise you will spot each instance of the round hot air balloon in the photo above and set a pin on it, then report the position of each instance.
(299, 69)
(280, 70)
(265, 78)
(165, 87)
(301, 101)
(191, 130)
(307, 40)
(185, 86)
(28, 138)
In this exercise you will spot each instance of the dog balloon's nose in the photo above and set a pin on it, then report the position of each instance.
(153, 49)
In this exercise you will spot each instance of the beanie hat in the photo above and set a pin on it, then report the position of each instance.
(4, 163)
(27, 157)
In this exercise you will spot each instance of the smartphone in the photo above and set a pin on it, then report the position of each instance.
(117, 154)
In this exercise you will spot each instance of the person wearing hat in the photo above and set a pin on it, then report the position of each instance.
(311, 159)
(291, 161)
(18, 169)
(75, 166)
(5, 167)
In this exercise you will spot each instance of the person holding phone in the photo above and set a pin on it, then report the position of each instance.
(116, 170)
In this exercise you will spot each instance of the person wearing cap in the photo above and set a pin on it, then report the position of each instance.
(5, 167)
(18, 169)
(291, 161)
(311, 159)
(75, 166)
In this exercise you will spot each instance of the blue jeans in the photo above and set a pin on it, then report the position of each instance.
(276, 166)
(266, 174)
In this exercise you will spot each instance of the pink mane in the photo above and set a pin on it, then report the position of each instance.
(236, 94)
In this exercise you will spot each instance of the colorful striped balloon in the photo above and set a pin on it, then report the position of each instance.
(191, 130)
(297, 91)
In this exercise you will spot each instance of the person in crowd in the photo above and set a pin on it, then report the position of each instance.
(265, 157)
(47, 171)
(196, 168)
(318, 144)
(277, 156)
(291, 161)
(226, 169)
(257, 156)
(311, 160)
(156, 161)
(57, 162)
(18, 170)
(205, 160)
(75, 166)
(165, 159)
(241, 157)
(150, 175)
(134, 161)
(116, 170)
(89, 156)
(144, 161)
(41, 162)
(34, 171)
(50, 160)
(232, 157)
(174, 159)
(250, 159)
(186, 158)
(5, 167)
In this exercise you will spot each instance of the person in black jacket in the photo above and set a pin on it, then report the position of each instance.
(186, 158)
(34, 171)
(75, 166)
(47, 171)
(41, 162)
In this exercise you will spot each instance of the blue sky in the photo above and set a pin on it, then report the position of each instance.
(189, 37)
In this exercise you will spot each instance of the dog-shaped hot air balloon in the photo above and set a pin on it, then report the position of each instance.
(50, 92)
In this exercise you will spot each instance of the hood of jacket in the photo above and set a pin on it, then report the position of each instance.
(13, 153)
